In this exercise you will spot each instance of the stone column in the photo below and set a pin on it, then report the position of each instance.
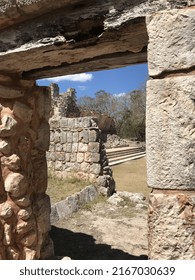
(171, 134)
(24, 139)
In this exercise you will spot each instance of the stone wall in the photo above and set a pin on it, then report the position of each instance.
(76, 148)
(24, 206)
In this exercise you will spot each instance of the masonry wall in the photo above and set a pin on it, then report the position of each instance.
(76, 148)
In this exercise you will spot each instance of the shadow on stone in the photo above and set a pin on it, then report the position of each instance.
(80, 246)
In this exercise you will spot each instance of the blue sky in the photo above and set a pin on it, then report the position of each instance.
(114, 81)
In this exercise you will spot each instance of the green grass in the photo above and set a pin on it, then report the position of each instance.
(59, 188)
(131, 176)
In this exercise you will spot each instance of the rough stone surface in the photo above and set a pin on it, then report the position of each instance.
(24, 207)
(171, 33)
(171, 133)
(171, 226)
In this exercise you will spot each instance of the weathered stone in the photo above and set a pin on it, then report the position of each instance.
(67, 157)
(13, 162)
(83, 147)
(6, 211)
(58, 166)
(73, 157)
(23, 202)
(61, 156)
(75, 147)
(5, 147)
(75, 137)
(24, 214)
(30, 239)
(69, 137)
(7, 234)
(42, 211)
(42, 142)
(92, 157)
(93, 135)
(171, 225)
(8, 126)
(94, 147)
(84, 136)
(12, 253)
(171, 33)
(58, 147)
(80, 157)
(85, 167)
(43, 105)
(22, 111)
(171, 133)
(63, 137)
(10, 93)
(29, 254)
(24, 227)
(95, 168)
(56, 136)
(16, 184)
(71, 122)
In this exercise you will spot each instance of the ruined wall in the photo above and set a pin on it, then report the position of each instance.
(24, 139)
(76, 148)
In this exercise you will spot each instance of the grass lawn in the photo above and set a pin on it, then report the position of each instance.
(131, 176)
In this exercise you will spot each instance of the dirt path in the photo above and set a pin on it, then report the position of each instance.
(103, 231)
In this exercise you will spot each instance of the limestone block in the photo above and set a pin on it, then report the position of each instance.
(13, 162)
(43, 105)
(58, 166)
(42, 142)
(69, 137)
(16, 184)
(63, 137)
(73, 157)
(93, 135)
(56, 137)
(85, 167)
(6, 211)
(75, 147)
(80, 157)
(75, 137)
(83, 147)
(84, 136)
(71, 122)
(171, 226)
(94, 147)
(51, 156)
(171, 133)
(95, 168)
(68, 147)
(92, 157)
(58, 147)
(67, 157)
(29, 254)
(78, 123)
(8, 126)
(63, 122)
(22, 111)
(86, 122)
(60, 156)
(5, 147)
(54, 123)
(171, 41)
(10, 93)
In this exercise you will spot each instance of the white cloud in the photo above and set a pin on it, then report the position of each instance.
(82, 78)
(82, 88)
(117, 95)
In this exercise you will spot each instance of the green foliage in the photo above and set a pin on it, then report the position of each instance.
(127, 110)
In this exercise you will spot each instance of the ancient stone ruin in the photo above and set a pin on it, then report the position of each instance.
(41, 39)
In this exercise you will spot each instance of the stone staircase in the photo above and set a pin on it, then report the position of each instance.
(120, 155)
